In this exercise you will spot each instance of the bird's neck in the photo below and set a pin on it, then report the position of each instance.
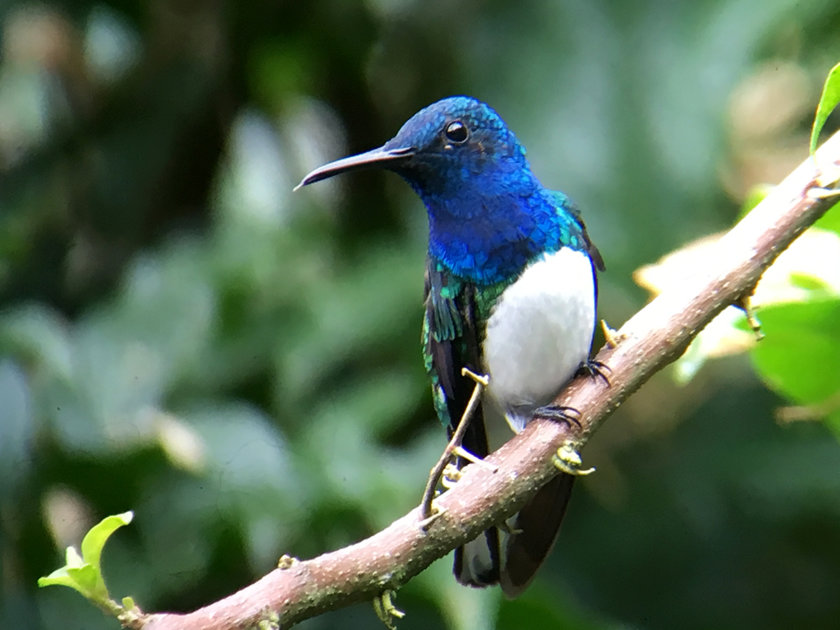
(489, 237)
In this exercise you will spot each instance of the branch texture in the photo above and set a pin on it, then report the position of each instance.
(653, 338)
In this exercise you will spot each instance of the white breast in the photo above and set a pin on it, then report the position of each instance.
(539, 333)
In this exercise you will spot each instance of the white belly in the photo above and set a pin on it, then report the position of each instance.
(539, 333)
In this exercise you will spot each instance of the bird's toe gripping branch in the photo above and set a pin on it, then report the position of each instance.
(595, 369)
(443, 470)
(385, 609)
(558, 413)
(450, 476)
(752, 320)
(611, 336)
(286, 561)
(567, 459)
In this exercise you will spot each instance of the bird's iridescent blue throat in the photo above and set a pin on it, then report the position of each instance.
(489, 216)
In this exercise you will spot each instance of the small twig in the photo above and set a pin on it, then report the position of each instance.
(817, 411)
(426, 510)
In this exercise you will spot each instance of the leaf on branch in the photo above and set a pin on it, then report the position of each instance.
(83, 573)
(828, 102)
(800, 337)
(808, 271)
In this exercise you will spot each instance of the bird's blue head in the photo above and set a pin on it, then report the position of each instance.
(462, 150)
(488, 214)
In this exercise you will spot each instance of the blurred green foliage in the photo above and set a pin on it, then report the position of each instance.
(182, 336)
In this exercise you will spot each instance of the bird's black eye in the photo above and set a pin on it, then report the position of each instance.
(456, 132)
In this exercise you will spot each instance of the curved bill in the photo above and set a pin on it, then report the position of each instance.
(380, 157)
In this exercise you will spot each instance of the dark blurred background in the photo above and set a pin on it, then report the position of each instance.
(183, 336)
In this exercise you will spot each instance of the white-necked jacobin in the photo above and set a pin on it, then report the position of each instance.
(511, 292)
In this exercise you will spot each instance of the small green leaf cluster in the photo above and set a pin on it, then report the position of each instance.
(83, 573)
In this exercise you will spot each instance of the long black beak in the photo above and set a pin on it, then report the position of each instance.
(374, 158)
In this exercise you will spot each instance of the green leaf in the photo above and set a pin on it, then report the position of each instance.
(89, 582)
(830, 220)
(59, 577)
(78, 575)
(83, 573)
(95, 539)
(72, 558)
(828, 101)
(798, 357)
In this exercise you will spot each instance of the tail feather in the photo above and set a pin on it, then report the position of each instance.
(537, 526)
(478, 563)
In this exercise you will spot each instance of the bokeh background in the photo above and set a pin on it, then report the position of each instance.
(183, 336)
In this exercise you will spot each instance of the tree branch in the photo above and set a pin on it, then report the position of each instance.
(653, 338)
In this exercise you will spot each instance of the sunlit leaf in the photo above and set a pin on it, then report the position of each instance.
(828, 101)
(798, 357)
(83, 572)
(95, 539)
(808, 270)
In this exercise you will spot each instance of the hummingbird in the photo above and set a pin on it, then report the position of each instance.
(510, 292)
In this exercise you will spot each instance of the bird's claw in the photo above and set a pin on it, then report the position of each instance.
(595, 369)
(506, 527)
(286, 561)
(752, 320)
(558, 413)
(437, 512)
(450, 476)
(383, 604)
(480, 379)
(463, 453)
(568, 460)
(611, 335)
(270, 620)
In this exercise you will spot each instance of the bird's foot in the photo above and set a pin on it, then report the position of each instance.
(558, 413)
(463, 453)
(269, 620)
(480, 379)
(611, 335)
(568, 460)
(286, 561)
(752, 320)
(596, 369)
(450, 476)
(509, 529)
(383, 604)
(454, 447)
(437, 512)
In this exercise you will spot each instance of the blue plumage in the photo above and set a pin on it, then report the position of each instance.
(488, 214)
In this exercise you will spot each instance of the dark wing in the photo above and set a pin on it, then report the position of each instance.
(451, 340)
